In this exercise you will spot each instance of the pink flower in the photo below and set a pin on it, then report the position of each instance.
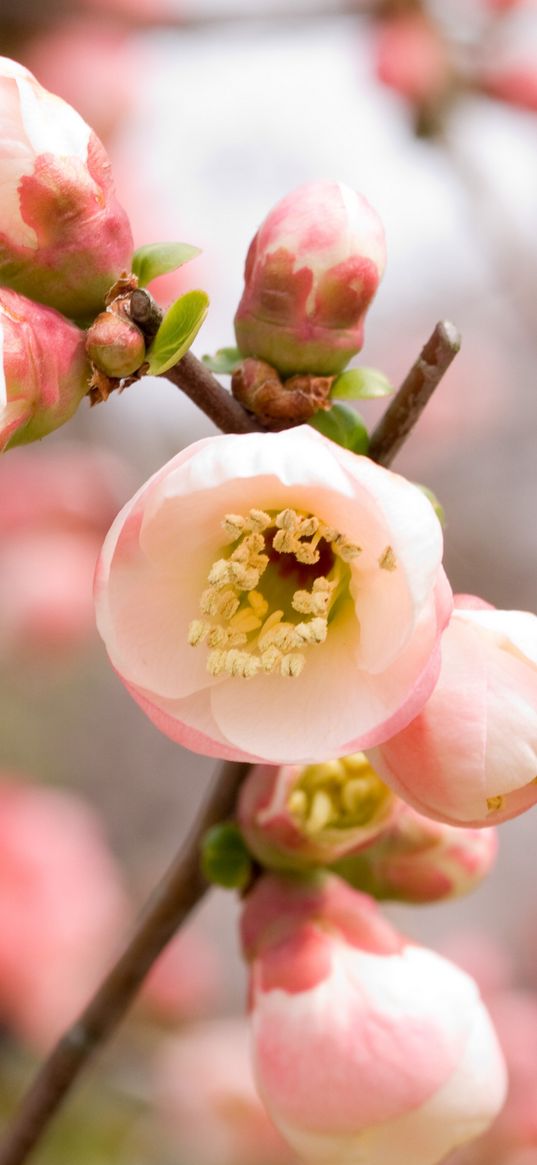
(508, 70)
(62, 909)
(57, 502)
(470, 756)
(295, 817)
(412, 57)
(184, 982)
(64, 238)
(205, 1089)
(43, 369)
(367, 1048)
(274, 597)
(419, 860)
(311, 273)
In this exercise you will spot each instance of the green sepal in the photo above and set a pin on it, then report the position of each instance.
(225, 360)
(177, 331)
(225, 860)
(342, 425)
(361, 384)
(161, 258)
(437, 506)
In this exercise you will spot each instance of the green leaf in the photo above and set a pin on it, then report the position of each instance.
(224, 857)
(177, 331)
(225, 360)
(160, 258)
(342, 425)
(361, 384)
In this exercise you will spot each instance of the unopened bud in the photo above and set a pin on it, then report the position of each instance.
(115, 345)
(44, 372)
(311, 273)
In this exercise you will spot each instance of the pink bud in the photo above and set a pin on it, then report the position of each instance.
(420, 860)
(294, 817)
(366, 1047)
(44, 372)
(412, 58)
(311, 273)
(115, 345)
(470, 757)
(65, 238)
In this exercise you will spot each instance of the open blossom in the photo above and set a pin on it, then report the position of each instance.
(64, 238)
(205, 1090)
(63, 911)
(470, 756)
(294, 816)
(417, 859)
(311, 273)
(367, 1048)
(56, 504)
(274, 597)
(44, 370)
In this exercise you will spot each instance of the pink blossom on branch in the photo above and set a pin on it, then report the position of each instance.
(470, 756)
(311, 272)
(294, 817)
(274, 597)
(44, 371)
(64, 238)
(367, 1048)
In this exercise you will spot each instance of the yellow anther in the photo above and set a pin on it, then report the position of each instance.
(298, 803)
(356, 793)
(308, 526)
(234, 525)
(387, 560)
(219, 574)
(259, 520)
(197, 632)
(306, 553)
(245, 620)
(291, 665)
(346, 550)
(216, 662)
(284, 542)
(245, 577)
(287, 520)
(320, 813)
(494, 803)
(314, 631)
(217, 637)
(270, 658)
(269, 623)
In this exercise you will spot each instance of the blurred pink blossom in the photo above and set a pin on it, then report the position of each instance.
(412, 57)
(205, 1090)
(185, 980)
(56, 503)
(63, 910)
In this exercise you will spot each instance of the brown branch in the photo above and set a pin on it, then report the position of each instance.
(208, 394)
(416, 389)
(181, 888)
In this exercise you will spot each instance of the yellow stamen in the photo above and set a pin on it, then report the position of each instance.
(494, 803)
(339, 794)
(387, 560)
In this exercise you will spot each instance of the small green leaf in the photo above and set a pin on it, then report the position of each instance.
(225, 360)
(177, 331)
(224, 857)
(160, 258)
(437, 506)
(342, 425)
(361, 384)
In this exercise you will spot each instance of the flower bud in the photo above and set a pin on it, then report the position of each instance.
(412, 58)
(293, 817)
(367, 1048)
(43, 369)
(115, 345)
(420, 860)
(65, 239)
(311, 273)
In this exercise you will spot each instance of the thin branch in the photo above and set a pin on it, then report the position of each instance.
(208, 394)
(414, 393)
(181, 888)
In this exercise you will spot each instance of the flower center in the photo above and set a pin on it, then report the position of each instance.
(272, 595)
(339, 794)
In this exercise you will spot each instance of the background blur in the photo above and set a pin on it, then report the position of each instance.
(212, 110)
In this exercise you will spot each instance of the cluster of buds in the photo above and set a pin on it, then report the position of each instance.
(67, 240)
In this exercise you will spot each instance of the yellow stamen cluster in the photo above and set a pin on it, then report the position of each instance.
(339, 794)
(244, 636)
